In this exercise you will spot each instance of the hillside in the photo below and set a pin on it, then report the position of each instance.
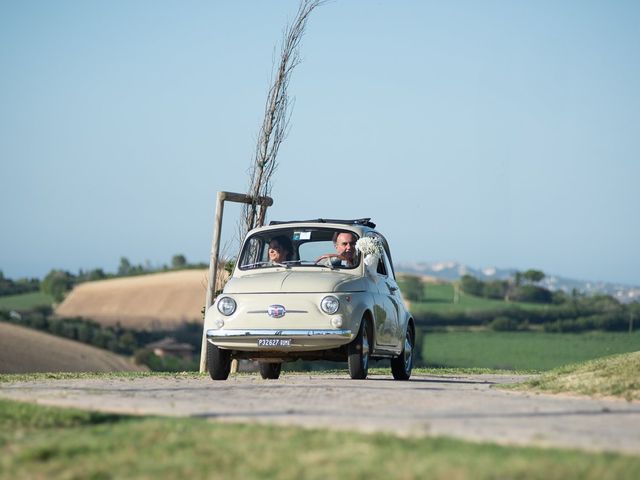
(159, 300)
(23, 350)
(452, 271)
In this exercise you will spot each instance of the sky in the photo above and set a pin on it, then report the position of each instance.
(493, 133)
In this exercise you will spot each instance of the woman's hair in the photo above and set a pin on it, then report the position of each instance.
(285, 243)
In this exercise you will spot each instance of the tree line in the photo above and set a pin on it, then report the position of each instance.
(560, 312)
(522, 287)
(587, 314)
(58, 282)
(16, 287)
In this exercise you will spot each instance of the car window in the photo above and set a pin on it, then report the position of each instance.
(313, 250)
(384, 264)
(381, 267)
(306, 245)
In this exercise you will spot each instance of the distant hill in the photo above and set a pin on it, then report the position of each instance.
(451, 271)
(158, 300)
(24, 350)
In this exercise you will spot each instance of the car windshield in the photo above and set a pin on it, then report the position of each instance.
(300, 247)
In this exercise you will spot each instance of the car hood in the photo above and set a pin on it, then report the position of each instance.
(295, 282)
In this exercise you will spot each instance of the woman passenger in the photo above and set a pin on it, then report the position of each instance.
(280, 249)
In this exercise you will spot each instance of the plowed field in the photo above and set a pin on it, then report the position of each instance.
(23, 350)
(159, 300)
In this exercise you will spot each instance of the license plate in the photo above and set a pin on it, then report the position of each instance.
(274, 342)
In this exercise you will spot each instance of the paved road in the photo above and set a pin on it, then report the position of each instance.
(459, 406)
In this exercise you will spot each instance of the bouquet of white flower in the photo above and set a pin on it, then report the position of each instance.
(369, 246)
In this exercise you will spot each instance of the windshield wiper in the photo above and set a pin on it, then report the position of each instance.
(268, 264)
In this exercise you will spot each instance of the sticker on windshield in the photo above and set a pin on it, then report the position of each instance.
(301, 235)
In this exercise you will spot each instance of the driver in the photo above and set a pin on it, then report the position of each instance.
(345, 243)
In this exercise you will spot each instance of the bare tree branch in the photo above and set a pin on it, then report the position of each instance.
(277, 115)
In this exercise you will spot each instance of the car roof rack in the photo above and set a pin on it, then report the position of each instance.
(358, 221)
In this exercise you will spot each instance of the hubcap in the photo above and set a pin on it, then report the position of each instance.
(365, 348)
(408, 352)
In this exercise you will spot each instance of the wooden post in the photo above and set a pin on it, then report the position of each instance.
(264, 202)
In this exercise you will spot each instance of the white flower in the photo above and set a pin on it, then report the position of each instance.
(369, 246)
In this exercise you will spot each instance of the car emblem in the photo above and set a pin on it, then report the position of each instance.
(276, 311)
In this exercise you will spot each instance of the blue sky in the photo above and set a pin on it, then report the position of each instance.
(494, 133)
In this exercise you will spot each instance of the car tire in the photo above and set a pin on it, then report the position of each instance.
(270, 371)
(402, 365)
(218, 362)
(358, 353)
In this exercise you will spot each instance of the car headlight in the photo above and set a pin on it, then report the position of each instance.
(226, 306)
(330, 304)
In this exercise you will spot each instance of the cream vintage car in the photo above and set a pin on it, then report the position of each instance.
(325, 301)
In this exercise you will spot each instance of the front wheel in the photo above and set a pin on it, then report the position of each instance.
(218, 362)
(359, 353)
(402, 365)
(270, 371)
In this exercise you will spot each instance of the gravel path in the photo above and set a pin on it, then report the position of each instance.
(465, 407)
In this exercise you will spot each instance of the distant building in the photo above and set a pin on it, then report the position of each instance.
(170, 346)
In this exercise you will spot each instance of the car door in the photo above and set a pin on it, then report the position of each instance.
(387, 305)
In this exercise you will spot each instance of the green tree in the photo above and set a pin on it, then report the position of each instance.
(96, 274)
(533, 293)
(125, 266)
(57, 283)
(495, 289)
(472, 285)
(518, 279)
(413, 288)
(178, 261)
(533, 276)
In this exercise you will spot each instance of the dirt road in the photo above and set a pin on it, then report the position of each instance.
(465, 407)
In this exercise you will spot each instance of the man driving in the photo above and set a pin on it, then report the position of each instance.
(345, 243)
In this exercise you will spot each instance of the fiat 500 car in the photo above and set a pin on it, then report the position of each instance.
(311, 290)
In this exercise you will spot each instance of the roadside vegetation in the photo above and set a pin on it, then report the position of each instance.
(533, 351)
(44, 442)
(449, 305)
(469, 323)
(516, 323)
(614, 376)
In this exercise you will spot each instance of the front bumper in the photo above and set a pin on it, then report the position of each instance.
(301, 339)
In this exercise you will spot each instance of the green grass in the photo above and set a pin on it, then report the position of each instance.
(25, 377)
(534, 351)
(25, 301)
(439, 299)
(617, 376)
(40, 442)
(373, 370)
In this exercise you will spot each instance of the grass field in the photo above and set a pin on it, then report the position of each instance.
(522, 350)
(616, 376)
(25, 301)
(42, 442)
(440, 299)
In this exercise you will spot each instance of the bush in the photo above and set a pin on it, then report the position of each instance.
(413, 288)
(503, 324)
(57, 283)
(496, 289)
(533, 294)
(472, 285)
